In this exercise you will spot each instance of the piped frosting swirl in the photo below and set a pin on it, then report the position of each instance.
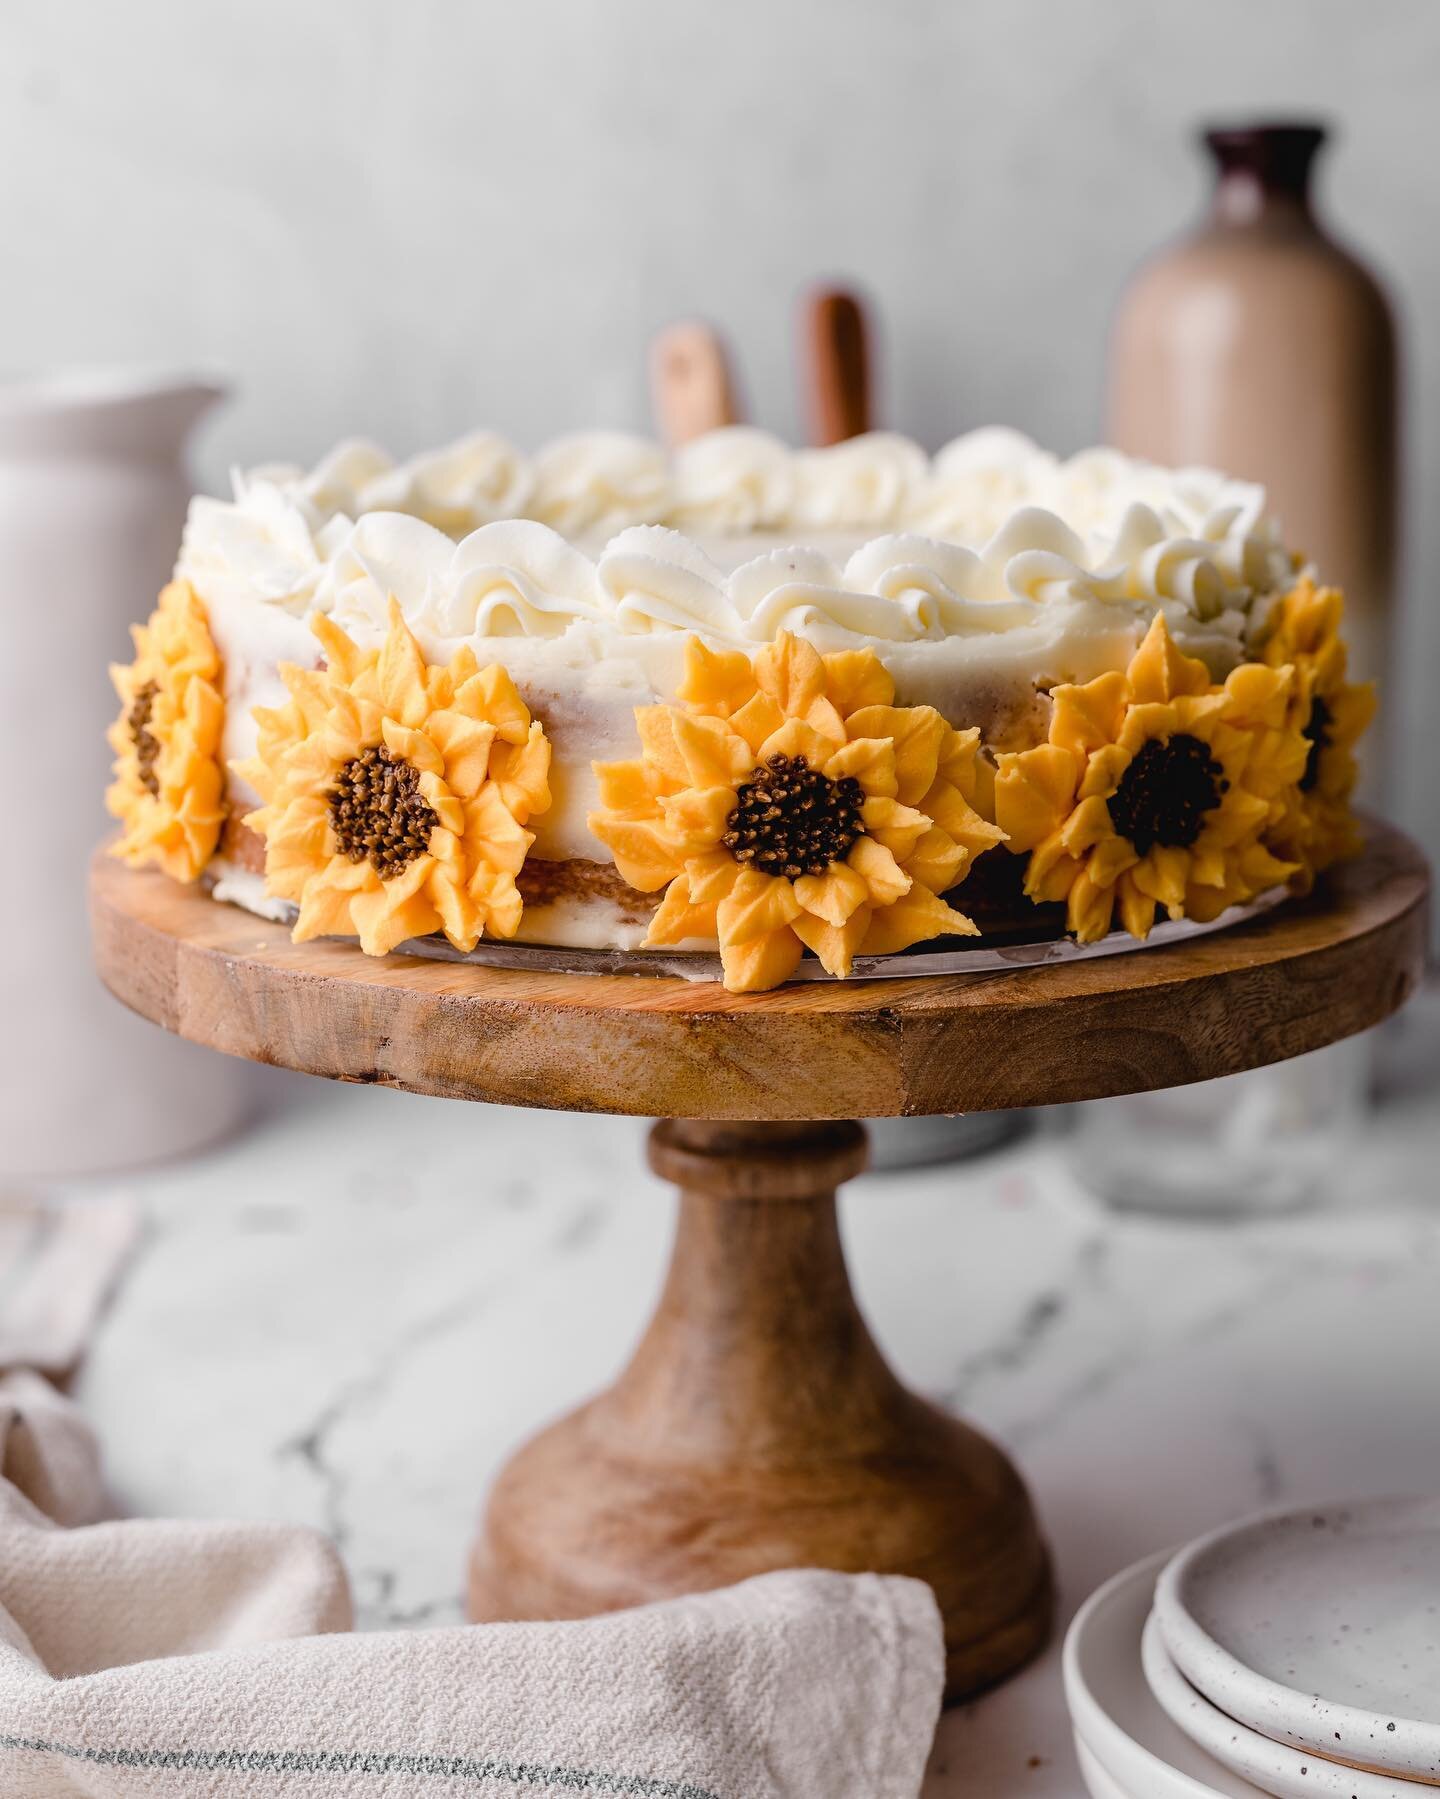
(737, 537)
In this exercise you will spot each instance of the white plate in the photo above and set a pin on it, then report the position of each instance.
(1273, 1767)
(1098, 1783)
(1319, 1628)
(1113, 1711)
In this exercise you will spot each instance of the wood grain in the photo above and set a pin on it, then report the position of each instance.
(758, 1427)
(1298, 978)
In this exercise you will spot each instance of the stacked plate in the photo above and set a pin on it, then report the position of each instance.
(1296, 1654)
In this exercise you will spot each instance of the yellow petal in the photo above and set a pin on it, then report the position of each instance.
(918, 732)
(756, 905)
(413, 746)
(1164, 875)
(1351, 710)
(762, 962)
(697, 818)
(324, 911)
(856, 678)
(643, 849)
(625, 787)
(834, 945)
(881, 873)
(757, 719)
(1034, 792)
(899, 828)
(713, 754)
(1086, 826)
(1137, 909)
(382, 922)
(492, 696)
(832, 897)
(344, 659)
(868, 760)
(791, 672)
(522, 773)
(1154, 719)
(915, 918)
(677, 918)
(947, 807)
(501, 901)
(464, 744)
(1104, 771)
(656, 726)
(1085, 718)
(796, 738)
(1049, 880)
(1257, 695)
(718, 681)
(1109, 859)
(937, 861)
(711, 876)
(1088, 908)
(401, 673)
(961, 763)
(1158, 671)
(460, 918)
(494, 838)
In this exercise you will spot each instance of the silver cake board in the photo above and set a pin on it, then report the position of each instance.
(971, 956)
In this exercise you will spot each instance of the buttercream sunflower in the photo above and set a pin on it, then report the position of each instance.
(1317, 826)
(788, 804)
(1154, 789)
(168, 791)
(396, 794)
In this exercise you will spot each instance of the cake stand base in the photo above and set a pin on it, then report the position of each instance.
(759, 1427)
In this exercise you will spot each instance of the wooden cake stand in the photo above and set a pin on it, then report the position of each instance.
(758, 1425)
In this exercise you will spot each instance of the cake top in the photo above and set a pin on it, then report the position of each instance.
(736, 536)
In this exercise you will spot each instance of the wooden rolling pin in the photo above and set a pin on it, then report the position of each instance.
(835, 365)
(691, 390)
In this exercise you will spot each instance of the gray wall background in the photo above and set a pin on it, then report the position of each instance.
(405, 219)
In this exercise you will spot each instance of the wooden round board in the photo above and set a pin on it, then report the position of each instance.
(1304, 975)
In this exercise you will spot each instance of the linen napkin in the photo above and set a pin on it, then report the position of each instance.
(160, 1658)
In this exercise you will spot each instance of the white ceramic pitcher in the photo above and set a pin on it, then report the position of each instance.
(93, 492)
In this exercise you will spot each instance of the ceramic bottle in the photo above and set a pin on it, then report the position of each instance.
(1258, 344)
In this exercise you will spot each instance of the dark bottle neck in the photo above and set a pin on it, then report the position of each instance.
(1263, 171)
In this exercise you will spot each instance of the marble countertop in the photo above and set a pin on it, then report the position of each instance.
(349, 1316)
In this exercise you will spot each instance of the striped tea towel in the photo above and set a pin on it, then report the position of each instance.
(193, 1660)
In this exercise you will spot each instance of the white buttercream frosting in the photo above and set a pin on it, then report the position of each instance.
(867, 540)
(981, 577)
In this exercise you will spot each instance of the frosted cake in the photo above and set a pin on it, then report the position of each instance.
(774, 702)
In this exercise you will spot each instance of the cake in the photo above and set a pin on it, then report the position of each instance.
(775, 702)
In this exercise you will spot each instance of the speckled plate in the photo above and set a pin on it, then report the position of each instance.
(1319, 1629)
(1128, 1746)
(1275, 1768)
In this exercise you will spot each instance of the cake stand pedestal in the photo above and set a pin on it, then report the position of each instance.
(758, 1425)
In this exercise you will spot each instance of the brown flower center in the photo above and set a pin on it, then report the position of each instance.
(1165, 793)
(147, 744)
(791, 820)
(377, 812)
(1317, 735)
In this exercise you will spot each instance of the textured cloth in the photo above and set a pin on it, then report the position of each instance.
(57, 1266)
(164, 1658)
